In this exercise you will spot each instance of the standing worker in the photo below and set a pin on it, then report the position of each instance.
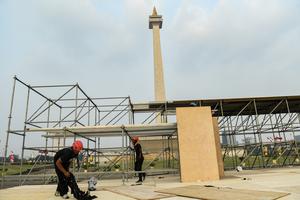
(62, 161)
(139, 159)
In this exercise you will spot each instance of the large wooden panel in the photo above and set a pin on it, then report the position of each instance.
(197, 144)
(139, 192)
(218, 147)
(216, 193)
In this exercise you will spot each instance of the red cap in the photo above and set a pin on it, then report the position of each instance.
(77, 145)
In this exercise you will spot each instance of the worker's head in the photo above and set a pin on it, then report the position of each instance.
(135, 139)
(77, 146)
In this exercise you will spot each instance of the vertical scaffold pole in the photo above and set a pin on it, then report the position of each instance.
(127, 168)
(8, 129)
(46, 149)
(75, 118)
(98, 153)
(293, 130)
(259, 134)
(123, 164)
(95, 153)
(60, 116)
(24, 135)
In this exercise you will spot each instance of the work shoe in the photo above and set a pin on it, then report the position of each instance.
(139, 181)
(65, 196)
(57, 193)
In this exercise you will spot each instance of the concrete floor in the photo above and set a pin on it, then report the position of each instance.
(281, 180)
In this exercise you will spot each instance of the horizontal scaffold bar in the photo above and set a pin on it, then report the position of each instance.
(163, 129)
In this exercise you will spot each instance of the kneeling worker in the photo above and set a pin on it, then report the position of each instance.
(62, 160)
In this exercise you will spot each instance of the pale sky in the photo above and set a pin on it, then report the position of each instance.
(210, 48)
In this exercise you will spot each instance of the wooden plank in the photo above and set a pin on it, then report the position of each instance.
(218, 147)
(293, 189)
(46, 192)
(216, 193)
(197, 145)
(140, 192)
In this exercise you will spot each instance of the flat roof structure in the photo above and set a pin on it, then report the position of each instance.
(230, 106)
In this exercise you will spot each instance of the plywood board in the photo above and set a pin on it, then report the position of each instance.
(46, 192)
(140, 192)
(216, 193)
(293, 189)
(218, 147)
(197, 144)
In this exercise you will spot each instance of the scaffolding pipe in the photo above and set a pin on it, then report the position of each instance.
(8, 129)
(23, 143)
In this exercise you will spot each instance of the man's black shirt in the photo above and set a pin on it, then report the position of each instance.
(65, 155)
(138, 152)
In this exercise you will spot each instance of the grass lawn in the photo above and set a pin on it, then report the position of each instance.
(15, 169)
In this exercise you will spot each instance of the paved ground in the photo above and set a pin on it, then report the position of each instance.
(281, 180)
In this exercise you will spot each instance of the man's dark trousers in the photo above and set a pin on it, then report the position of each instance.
(62, 185)
(138, 167)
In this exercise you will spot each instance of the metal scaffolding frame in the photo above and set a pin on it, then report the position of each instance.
(254, 139)
(73, 115)
(255, 132)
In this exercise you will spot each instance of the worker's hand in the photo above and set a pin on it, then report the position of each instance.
(67, 174)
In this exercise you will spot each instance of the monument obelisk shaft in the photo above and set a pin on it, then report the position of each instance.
(155, 23)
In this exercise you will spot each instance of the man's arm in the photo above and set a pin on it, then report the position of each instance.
(61, 168)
